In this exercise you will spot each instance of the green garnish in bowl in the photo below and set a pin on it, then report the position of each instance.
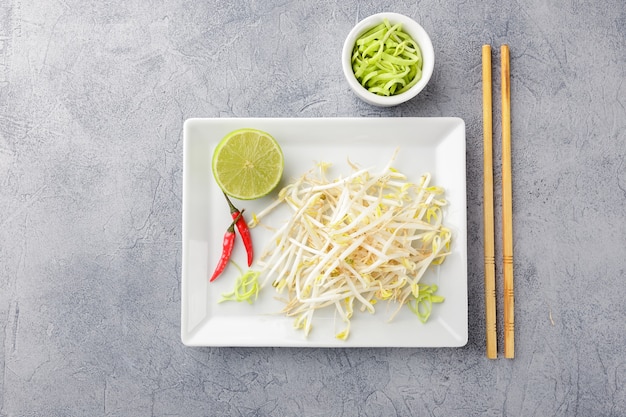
(386, 60)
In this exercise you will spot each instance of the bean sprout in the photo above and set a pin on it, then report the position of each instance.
(352, 242)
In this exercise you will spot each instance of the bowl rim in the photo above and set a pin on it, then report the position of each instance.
(416, 31)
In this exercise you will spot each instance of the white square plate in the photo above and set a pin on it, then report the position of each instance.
(435, 145)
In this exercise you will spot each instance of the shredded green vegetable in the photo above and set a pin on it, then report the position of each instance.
(246, 287)
(352, 242)
(386, 60)
(422, 303)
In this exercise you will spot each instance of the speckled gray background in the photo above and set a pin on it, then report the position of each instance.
(93, 96)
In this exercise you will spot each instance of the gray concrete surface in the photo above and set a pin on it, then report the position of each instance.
(93, 96)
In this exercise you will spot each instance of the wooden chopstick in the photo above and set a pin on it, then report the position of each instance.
(490, 267)
(507, 208)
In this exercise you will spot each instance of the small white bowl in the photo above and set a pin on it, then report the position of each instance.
(409, 26)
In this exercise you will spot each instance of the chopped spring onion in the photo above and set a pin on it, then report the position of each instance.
(422, 303)
(386, 60)
(246, 287)
(355, 241)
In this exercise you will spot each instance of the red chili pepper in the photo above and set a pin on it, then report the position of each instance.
(227, 249)
(244, 231)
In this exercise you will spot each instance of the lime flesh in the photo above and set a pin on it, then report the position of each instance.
(248, 164)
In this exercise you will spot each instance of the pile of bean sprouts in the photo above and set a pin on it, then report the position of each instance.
(355, 241)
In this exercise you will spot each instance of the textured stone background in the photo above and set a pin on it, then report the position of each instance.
(93, 96)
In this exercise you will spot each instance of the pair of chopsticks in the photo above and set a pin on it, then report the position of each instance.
(507, 208)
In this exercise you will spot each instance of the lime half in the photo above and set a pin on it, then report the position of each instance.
(248, 164)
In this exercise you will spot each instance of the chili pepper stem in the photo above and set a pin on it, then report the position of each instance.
(244, 230)
(231, 228)
(231, 206)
